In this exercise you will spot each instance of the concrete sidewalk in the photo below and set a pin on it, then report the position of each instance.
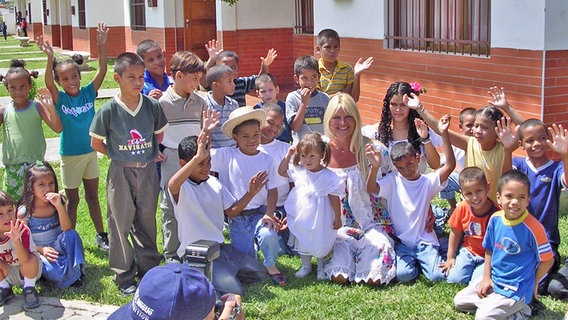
(54, 308)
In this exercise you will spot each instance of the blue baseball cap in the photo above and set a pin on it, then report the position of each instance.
(172, 291)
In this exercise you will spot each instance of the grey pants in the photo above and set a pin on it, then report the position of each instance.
(132, 198)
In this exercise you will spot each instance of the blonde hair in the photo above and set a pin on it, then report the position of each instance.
(358, 141)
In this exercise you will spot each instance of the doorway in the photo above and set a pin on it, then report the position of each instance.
(200, 25)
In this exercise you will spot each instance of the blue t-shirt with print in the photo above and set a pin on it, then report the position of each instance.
(76, 114)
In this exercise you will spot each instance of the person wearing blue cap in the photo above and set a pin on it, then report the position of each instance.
(177, 291)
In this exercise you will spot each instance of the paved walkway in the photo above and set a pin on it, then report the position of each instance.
(54, 308)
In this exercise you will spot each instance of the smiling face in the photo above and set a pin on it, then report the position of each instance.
(398, 109)
(513, 198)
(155, 61)
(6, 215)
(408, 166)
(69, 78)
(225, 85)
(342, 124)
(484, 132)
(189, 82)
(534, 142)
(18, 85)
(308, 78)
(475, 194)
(272, 127)
(201, 172)
(247, 137)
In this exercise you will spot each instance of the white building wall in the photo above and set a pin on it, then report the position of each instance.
(255, 14)
(556, 26)
(111, 12)
(518, 24)
(154, 16)
(351, 18)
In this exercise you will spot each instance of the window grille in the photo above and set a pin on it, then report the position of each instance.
(304, 17)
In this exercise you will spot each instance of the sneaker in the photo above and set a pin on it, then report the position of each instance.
(304, 271)
(6, 294)
(31, 299)
(127, 289)
(101, 240)
(321, 275)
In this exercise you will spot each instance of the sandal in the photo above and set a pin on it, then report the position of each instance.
(278, 278)
(31, 299)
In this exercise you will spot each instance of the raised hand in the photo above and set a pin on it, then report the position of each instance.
(361, 65)
(258, 181)
(444, 123)
(421, 128)
(412, 101)
(210, 120)
(499, 98)
(212, 49)
(16, 230)
(373, 155)
(559, 143)
(102, 33)
(270, 56)
(44, 46)
(509, 138)
(45, 99)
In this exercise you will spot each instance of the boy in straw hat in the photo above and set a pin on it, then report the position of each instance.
(236, 167)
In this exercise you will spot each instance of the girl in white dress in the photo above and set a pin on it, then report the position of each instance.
(313, 205)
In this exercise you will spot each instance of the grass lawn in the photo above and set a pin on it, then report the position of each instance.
(301, 298)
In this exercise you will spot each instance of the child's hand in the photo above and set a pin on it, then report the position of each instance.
(155, 93)
(210, 120)
(560, 139)
(213, 50)
(412, 101)
(373, 155)
(337, 222)
(508, 137)
(203, 146)
(446, 266)
(306, 94)
(16, 230)
(430, 221)
(45, 47)
(290, 152)
(282, 224)
(484, 288)
(160, 157)
(50, 253)
(269, 222)
(361, 65)
(444, 123)
(270, 56)
(499, 99)
(102, 33)
(54, 199)
(45, 99)
(421, 128)
(258, 181)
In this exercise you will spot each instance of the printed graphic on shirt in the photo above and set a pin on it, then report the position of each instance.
(508, 245)
(314, 115)
(76, 111)
(7, 257)
(136, 145)
(474, 229)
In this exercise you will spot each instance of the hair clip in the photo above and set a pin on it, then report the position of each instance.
(39, 163)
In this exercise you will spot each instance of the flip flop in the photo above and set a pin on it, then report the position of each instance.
(278, 278)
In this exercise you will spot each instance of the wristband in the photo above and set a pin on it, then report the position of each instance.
(426, 141)
(420, 108)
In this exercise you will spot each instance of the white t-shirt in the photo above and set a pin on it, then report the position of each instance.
(200, 212)
(408, 203)
(277, 151)
(236, 169)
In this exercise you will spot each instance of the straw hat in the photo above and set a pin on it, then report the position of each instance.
(241, 115)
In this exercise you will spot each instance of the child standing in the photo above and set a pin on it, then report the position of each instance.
(58, 243)
(220, 80)
(267, 90)
(156, 80)
(313, 204)
(183, 109)
(128, 129)
(19, 262)
(409, 194)
(306, 106)
(201, 202)
(337, 76)
(468, 223)
(517, 256)
(547, 176)
(23, 141)
(75, 107)
(238, 165)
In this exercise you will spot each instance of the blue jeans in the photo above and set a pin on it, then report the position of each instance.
(247, 227)
(232, 269)
(468, 267)
(283, 248)
(453, 185)
(410, 261)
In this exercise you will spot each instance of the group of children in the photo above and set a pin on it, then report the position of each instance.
(270, 201)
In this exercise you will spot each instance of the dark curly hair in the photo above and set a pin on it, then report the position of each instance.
(385, 130)
(37, 169)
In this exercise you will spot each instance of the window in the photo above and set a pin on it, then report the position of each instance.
(304, 17)
(82, 15)
(44, 7)
(441, 26)
(137, 15)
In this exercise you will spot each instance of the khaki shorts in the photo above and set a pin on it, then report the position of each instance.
(75, 169)
(15, 278)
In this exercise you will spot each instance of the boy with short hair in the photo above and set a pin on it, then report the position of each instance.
(267, 90)
(200, 203)
(238, 165)
(306, 106)
(183, 109)
(231, 59)
(409, 194)
(156, 80)
(19, 262)
(337, 76)
(128, 129)
(220, 81)
(547, 177)
(517, 256)
(468, 223)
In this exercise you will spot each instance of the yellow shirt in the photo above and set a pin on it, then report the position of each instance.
(490, 161)
(334, 81)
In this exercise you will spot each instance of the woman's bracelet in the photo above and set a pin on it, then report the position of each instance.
(420, 108)
(426, 140)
